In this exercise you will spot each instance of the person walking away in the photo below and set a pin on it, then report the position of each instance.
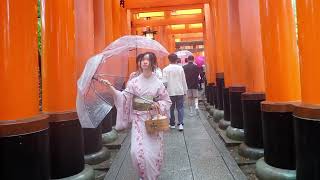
(201, 77)
(158, 73)
(146, 149)
(174, 79)
(192, 72)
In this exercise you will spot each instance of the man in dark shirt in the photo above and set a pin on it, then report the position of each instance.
(192, 74)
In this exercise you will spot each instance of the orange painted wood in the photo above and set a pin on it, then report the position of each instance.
(167, 8)
(128, 22)
(58, 40)
(124, 23)
(19, 60)
(185, 31)
(222, 31)
(217, 37)
(108, 21)
(211, 67)
(238, 66)
(251, 45)
(172, 43)
(116, 19)
(279, 51)
(192, 39)
(162, 38)
(84, 32)
(99, 25)
(181, 19)
(134, 4)
(309, 36)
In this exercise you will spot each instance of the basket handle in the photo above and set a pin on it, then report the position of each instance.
(157, 110)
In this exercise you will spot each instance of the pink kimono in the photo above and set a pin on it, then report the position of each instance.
(146, 149)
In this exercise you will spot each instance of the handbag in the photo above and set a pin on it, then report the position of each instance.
(157, 124)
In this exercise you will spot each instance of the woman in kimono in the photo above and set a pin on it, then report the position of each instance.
(146, 149)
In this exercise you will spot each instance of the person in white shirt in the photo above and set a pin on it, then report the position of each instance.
(175, 81)
(158, 73)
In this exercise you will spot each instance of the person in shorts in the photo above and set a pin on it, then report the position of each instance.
(192, 72)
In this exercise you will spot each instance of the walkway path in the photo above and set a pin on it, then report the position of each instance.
(197, 153)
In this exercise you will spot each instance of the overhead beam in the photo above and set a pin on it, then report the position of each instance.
(135, 4)
(184, 31)
(192, 39)
(181, 19)
(167, 8)
(195, 35)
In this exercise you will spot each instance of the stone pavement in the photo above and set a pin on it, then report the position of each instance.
(197, 153)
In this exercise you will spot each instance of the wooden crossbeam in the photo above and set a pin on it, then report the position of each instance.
(185, 31)
(181, 19)
(135, 4)
(167, 8)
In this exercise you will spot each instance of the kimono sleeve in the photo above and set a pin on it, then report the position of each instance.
(123, 103)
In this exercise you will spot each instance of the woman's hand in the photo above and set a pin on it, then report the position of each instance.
(105, 82)
(109, 85)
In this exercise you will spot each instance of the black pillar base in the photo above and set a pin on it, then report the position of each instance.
(24, 149)
(214, 96)
(252, 125)
(278, 137)
(219, 91)
(236, 114)
(210, 92)
(250, 152)
(266, 172)
(66, 145)
(109, 133)
(225, 122)
(86, 174)
(307, 133)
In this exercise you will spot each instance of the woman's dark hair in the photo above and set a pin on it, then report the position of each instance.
(138, 59)
(152, 60)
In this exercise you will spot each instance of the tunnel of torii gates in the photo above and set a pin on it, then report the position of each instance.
(262, 78)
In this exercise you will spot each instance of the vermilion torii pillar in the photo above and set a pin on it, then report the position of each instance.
(24, 134)
(281, 67)
(218, 63)
(59, 90)
(220, 13)
(210, 58)
(89, 31)
(252, 56)
(99, 25)
(116, 19)
(238, 73)
(108, 21)
(307, 114)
